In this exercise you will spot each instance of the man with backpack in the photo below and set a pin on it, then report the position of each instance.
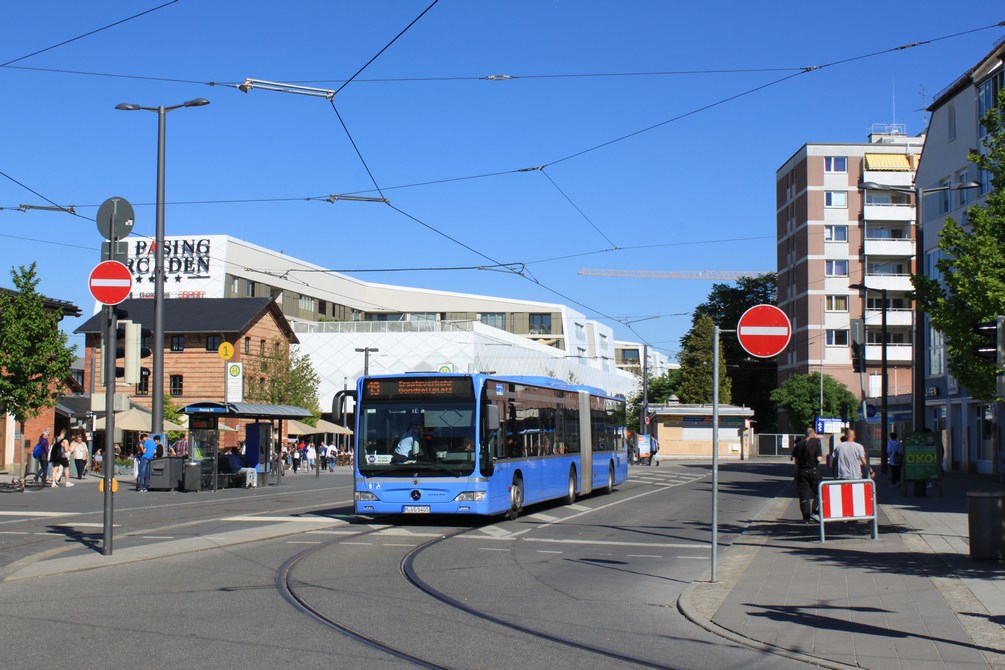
(806, 454)
(41, 455)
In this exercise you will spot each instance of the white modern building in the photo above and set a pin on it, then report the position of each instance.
(346, 324)
(971, 430)
(628, 356)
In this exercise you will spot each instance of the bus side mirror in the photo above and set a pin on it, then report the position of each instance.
(338, 404)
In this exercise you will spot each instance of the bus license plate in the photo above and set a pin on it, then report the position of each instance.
(415, 509)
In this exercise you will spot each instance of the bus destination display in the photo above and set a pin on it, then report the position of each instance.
(435, 388)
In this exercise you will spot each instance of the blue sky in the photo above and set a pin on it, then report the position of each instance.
(642, 171)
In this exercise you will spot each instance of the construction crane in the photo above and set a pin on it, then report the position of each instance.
(728, 275)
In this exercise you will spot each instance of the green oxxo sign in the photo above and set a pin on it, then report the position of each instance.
(921, 457)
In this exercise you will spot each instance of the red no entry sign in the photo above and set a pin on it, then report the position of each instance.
(110, 282)
(764, 331)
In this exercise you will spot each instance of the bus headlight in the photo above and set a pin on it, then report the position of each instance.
(470, 496)
(365, 495)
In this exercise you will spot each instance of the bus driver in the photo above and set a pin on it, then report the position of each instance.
(407, 446)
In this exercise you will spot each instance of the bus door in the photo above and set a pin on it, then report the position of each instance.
(585, 445)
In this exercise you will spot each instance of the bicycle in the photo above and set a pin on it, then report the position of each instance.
(15, 484)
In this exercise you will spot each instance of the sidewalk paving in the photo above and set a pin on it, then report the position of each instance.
(911, 599)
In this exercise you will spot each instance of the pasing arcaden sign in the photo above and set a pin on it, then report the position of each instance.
(183, 258)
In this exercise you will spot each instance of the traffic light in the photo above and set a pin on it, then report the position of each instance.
(1000, 323)
(987, 341)
(857, 360)
(129, 340)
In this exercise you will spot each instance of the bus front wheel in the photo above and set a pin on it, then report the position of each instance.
(515, 498)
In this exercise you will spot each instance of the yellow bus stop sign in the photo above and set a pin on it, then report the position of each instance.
(226, 351)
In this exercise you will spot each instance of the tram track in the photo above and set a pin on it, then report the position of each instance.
(287, 586)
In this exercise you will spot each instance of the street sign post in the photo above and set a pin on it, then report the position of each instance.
(764, 331)
(115, 218)
(110, 282)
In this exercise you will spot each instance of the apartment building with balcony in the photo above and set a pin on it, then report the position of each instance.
(834, 234)
(971, 430)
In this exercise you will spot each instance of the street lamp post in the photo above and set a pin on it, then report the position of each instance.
(366, 351)
(918, 377)
(157, 393)
(884, 382)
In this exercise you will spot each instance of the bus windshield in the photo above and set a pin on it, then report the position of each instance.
(431, 437)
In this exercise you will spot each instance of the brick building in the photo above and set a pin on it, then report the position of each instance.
(194, 329)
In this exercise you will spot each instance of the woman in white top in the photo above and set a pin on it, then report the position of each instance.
(78, 451)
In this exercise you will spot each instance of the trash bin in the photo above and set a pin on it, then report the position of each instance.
(166, 473)
(986, 514)
(193, 476)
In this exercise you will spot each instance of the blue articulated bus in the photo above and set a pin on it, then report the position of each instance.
(480, 444)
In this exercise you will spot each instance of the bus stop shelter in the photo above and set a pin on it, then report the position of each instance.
(262, 450)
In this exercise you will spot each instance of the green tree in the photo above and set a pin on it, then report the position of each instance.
(172, 414)
(972, 285)
(660, 390)
(280, 379)
(799, 398)
(34, 355)
(696, 366)
(752, 378)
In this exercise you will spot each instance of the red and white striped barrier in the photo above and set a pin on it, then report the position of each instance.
(848, 499)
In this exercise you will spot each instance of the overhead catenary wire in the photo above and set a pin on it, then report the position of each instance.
(623, 137)
(88, 34)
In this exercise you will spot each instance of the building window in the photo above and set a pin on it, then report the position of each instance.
(835, 164)
(250, 289)
(987, 97)
(836, 199)
(495, 319)
(835, 233)
(306, 303)
(836, 268)
(580, 331)
(176, 385)
(143, 386)
(275, 348)
(234, 287)
(261, 348)
(985, 182)
(213, 342)
(936, 353)
(177, 343)
(628, 357)
(837, 303)
(837, 338)
(951, 121)
(322, 307)
(964, 193)
(247, 345)
(540, 324)
(945, 196)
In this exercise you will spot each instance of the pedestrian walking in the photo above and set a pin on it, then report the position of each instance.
(852, 461)
(59, 459)
(296, 459)
(806, 454)
(41, 454)
(78, 451)
(894, 457)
